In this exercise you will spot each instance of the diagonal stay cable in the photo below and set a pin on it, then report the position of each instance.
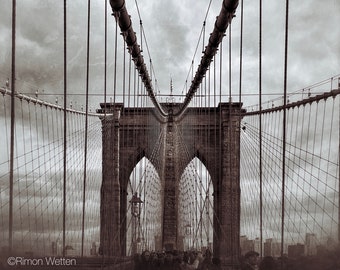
(221, 24)
(125, 24)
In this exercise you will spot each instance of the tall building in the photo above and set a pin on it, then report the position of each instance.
(243, 239)
(257, 245)
(267, 247)
(276, 249)
(249, 245)
(331, 243)
(93, 250)
(271, 248)
(56, 248)
(310, 244)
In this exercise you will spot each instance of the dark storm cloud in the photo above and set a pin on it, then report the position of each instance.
(172, 30)
(39, 44)
(39, 50)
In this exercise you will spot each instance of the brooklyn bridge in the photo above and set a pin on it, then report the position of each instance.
(104, 166)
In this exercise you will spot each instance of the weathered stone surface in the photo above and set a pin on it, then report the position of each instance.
(211, 134)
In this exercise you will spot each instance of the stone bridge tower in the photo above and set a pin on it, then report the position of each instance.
(210, 134)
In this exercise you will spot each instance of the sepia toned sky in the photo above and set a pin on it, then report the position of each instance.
(172, 30)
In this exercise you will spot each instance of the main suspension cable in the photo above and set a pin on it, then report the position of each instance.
(221, 24)
(125, 24)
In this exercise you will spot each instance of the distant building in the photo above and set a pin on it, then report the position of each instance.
(243, 239)
(257, 245)
(310, 244)
(271, 248)
(56, 248)
(267, 247)
(331, 243)
(93, 250)
(276, 249)
(158, 243)
(249, 245)
(296, 251)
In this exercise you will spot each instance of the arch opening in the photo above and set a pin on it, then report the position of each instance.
(144, 202)
(195, 208)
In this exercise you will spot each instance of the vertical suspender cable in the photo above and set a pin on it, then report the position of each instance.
(114, 139)
(219, 187)
(221, 58)
(260, 123)
(65, 129)
(229, 141)
(338, 170)
(86, 122)
(11, 178)
(240, 98)
(115, 64)
(124, 134)
(105, 55)
(207, 198)
(105, 81)
(214, 82)
(230, 99)
(241, 53)
(201, 202)
(284, 129)
(124, 68)
(216, 146)
(129, 84)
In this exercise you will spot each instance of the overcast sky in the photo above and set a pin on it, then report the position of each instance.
(172, 30)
